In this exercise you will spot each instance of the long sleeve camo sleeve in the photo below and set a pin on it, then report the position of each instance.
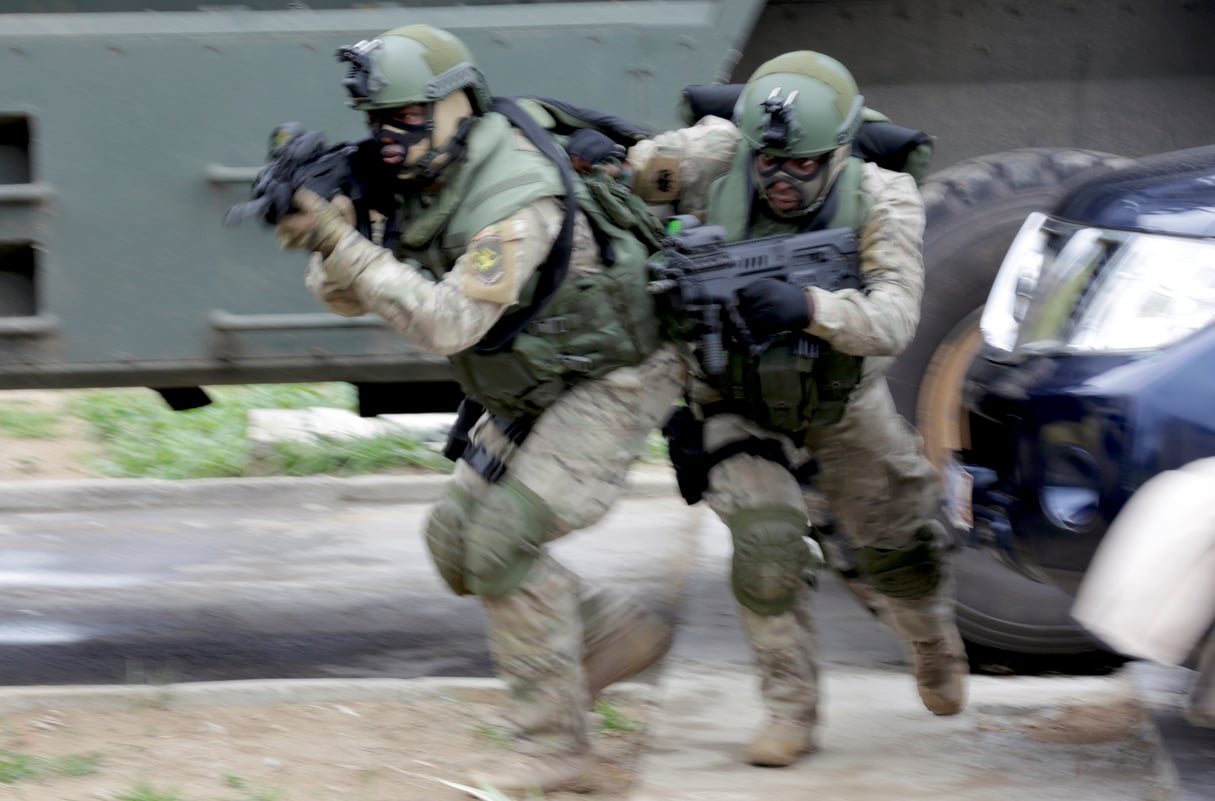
(680, 166)
(881, 319)
(452, 314)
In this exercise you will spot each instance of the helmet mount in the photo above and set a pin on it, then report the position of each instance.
(363, 79)
(780, 125)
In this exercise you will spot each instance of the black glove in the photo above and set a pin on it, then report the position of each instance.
(593, 146)
(771, 306)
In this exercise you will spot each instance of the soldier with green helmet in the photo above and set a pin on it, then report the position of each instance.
(503, 260)
(786, 164)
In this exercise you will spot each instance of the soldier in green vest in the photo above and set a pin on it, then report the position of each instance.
(817, 395)
(533, 282)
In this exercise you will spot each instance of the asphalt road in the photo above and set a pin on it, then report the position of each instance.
(318, 590)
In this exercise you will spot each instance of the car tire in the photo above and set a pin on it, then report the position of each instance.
(973, 210)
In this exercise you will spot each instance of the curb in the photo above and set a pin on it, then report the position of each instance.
(127, 493)
(257, 692)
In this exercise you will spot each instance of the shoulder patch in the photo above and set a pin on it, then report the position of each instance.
(658, 181)
(486, 261)
(489, 266)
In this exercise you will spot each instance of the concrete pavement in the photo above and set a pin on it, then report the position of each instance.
(1021, 738)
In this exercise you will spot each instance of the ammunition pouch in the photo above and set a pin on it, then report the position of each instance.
(796, 384)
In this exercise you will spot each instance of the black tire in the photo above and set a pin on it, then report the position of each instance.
(974, 209)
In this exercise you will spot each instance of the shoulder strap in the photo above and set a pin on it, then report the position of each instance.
(552, 272)
(569, 118)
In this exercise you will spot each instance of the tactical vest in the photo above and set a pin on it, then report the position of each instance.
(789, 387)
(591, 325)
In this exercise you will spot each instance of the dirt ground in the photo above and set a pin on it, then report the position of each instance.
(365, 751)
(59, 457)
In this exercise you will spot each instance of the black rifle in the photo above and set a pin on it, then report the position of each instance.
(699, 276)
(299, 158)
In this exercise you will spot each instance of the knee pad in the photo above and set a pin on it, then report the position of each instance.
(908, 573)
(503, 538)
(770, 557)
(445, 530)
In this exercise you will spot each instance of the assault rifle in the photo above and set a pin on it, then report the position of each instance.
(299, 158)
(698, 279)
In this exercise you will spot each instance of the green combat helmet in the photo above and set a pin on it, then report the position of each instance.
(410, 65)
(799, 112)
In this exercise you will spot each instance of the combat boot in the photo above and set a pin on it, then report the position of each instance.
(941, 671)
(530, 774)
(622, 639)
(781, 743)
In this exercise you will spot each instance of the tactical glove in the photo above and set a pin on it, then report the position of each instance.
(593, 147)
(771, 306)
(318, 225)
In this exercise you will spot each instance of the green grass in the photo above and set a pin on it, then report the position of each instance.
(356, 456)
(21, 423)
(146, 792)
(612, 719)
(497, 736)
(15, 767)
(149, 792)
(142, 438)
(656, 449)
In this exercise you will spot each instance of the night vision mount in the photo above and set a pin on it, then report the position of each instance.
(780, 123)
(364, 79)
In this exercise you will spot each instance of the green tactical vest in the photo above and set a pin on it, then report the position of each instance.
(591, 325)
(780, 389)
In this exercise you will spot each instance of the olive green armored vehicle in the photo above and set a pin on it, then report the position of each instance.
(129, 127)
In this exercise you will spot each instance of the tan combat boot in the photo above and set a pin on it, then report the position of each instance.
(531, 774)
(941, 671)
(780, 743)
(629, 640)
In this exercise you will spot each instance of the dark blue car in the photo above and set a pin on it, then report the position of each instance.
(1097, 370)
(1089, 412)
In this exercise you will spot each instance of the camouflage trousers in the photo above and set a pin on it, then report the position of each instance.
(880, 489)
(576, 460)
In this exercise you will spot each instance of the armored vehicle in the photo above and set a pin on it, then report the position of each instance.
(128, 127)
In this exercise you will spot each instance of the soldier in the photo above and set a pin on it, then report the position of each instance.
(787, 165)
(491, 219)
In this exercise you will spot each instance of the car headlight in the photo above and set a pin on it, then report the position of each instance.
(1153, 291)
(1014, 285)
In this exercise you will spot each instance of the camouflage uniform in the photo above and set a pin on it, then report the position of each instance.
(575, 458)
(532, 281)
(872, 469)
